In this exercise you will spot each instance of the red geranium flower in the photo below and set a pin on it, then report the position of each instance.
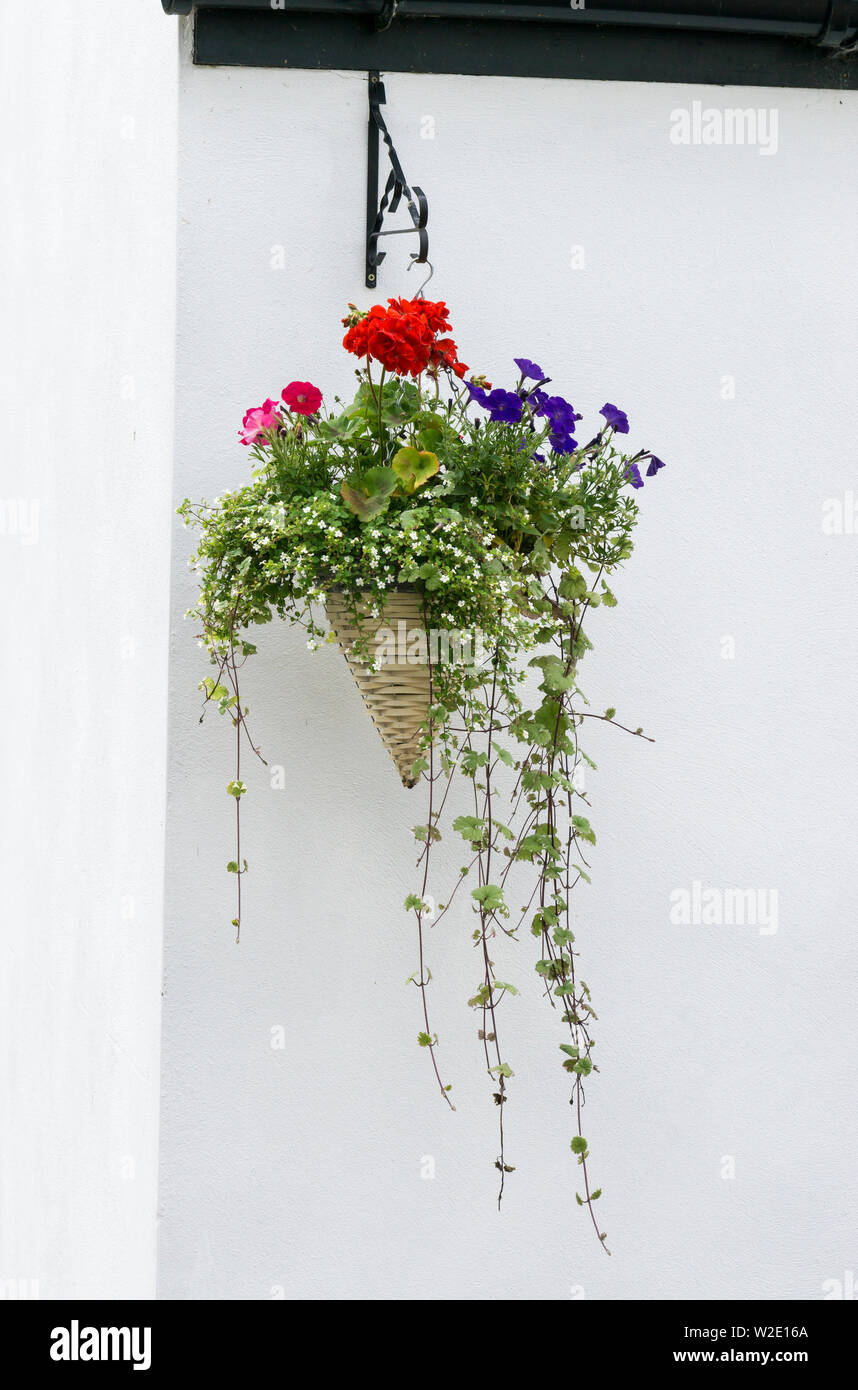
(402, 337)
(434, 315)
(302, 397)
(446, 354)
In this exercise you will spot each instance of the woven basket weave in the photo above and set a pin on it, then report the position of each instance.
(397, 695)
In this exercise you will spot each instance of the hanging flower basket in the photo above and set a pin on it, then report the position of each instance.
(437, 506)
(388, 657)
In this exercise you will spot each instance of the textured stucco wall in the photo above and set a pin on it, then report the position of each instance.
(87, 299)
(298, 1171)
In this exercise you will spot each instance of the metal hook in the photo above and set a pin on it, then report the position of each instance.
(418, 294)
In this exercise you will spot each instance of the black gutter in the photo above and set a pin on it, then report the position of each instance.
(828, 22)
(766, 43)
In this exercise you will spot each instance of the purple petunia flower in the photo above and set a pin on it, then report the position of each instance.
(477, 393)
(616, 418)
(655, 465)
(633, 474)
(528, 368)
(505, 406)
(561, 414)
(536, 400)
(562, 442)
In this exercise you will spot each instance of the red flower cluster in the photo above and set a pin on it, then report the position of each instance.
(403, 337)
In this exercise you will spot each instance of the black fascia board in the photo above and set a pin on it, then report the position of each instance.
(768, 43)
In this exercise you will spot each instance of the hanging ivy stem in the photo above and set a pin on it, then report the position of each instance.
(433, 1041)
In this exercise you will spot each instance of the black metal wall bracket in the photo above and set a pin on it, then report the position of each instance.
(838, 32)
(395, 190)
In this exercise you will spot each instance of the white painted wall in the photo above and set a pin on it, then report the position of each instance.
(87, 170)
(299, 1171)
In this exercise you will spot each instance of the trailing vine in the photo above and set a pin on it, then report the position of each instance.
(510, 530)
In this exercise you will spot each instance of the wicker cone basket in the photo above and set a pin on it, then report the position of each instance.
(398, 694)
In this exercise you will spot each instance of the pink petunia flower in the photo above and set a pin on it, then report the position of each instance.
(258, 420)
(302, 397)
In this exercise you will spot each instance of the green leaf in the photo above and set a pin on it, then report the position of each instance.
(414, 467)
(503, 1070)
(573, 584)
(471, 828)
(579, 1145)
(424, 1040)
(213, 691)
(584, 829)
(236, 789)
(421, 764)
(343, 426)
(426, 832)
(429, 574)
(490, 897)
(430, 438)
(367, 494)
(569, 1050)
(232, 867)
(510, 989)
